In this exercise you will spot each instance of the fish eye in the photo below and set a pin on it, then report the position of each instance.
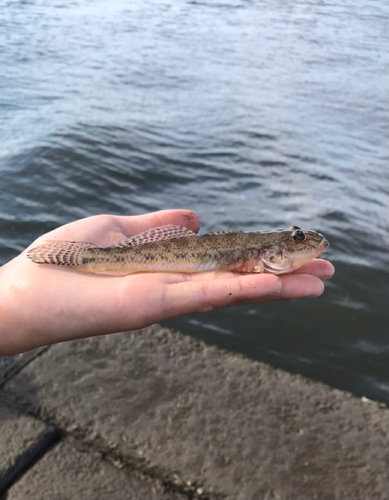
(299, 235)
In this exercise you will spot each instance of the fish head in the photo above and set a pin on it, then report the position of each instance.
(294, 247)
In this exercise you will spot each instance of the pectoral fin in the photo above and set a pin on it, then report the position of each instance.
(271, 267)
(276, 263)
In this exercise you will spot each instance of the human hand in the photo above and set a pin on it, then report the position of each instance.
(42, 305)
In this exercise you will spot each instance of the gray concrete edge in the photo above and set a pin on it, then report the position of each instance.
(47, 438)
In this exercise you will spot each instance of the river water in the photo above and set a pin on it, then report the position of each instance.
(255, 114)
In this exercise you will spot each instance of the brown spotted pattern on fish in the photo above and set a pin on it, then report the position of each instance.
(177, 249)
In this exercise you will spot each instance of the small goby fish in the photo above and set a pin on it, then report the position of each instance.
(177, 249)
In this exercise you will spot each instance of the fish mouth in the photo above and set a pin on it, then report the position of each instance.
(323, 244)
(322, 247)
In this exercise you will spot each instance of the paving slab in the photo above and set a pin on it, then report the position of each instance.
(22, 440)
(70, 472)
(192, 414)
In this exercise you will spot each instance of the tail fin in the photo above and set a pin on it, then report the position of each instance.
(61, 253)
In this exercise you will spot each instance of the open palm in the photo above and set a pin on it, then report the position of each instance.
(43, 305)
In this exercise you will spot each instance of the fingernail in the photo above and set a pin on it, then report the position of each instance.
(319, 292)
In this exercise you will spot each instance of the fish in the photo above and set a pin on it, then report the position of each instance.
(176, 249)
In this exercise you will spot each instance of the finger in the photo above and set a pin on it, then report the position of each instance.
(300, 286)
(295, 287)
(251, 288)
(122, 307)
(137, 224)
(200, 296)
(172, 278)
(317, 267)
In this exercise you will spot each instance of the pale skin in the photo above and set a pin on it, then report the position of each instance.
(43, 304)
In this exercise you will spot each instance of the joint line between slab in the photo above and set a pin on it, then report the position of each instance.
(44, 443)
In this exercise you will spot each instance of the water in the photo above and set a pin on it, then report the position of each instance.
(256, 114)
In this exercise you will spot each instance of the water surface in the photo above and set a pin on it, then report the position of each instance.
(255, 114)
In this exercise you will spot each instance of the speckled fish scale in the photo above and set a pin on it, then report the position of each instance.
(177, 249)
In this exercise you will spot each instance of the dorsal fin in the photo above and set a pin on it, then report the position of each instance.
(228, 231)
(156, 234)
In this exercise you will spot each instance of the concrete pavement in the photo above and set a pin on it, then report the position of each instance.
(170, 417)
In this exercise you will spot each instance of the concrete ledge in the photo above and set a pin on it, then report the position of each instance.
(69, 471)
(208, 422)
(10, 365)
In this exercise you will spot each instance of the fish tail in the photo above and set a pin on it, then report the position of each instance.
(63, 253)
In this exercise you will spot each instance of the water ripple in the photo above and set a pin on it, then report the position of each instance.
(257, 115)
